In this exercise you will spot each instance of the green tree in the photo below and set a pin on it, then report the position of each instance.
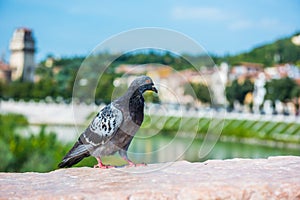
(158, 57)
(296, 97)
(19, 90)
(105, 88)
(2, 86)
(200, 91)
(237, 91)
(280, 89)
(280, 51)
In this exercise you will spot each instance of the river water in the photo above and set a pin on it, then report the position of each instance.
(165, 148)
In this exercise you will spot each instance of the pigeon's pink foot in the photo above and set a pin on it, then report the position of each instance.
(101, 165)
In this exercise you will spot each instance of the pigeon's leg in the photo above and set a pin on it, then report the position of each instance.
(101, 165)
(123, 154)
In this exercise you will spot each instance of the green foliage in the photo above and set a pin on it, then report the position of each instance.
(105, 88)
(177, 62)
(200, 90)
(237, 91)
(41, 152)
(27, 91)
(280, 51)
(296, 92)
(18, 90)
(281, 89)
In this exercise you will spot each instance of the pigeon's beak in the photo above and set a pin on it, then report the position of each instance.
(154, 89)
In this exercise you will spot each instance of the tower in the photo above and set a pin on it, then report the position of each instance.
(22, 55)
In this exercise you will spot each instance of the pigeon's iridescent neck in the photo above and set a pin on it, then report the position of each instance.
(136, 107)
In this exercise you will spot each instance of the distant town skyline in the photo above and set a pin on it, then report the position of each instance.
(69, 28)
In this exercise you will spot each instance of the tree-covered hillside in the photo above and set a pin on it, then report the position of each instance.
(280, 51)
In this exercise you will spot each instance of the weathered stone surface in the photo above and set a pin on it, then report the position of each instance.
(272, 178)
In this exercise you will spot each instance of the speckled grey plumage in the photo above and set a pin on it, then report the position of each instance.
(113, 127)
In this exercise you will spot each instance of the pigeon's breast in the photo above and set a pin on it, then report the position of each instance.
(107, 121)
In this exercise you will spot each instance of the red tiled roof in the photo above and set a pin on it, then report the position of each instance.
(4, 66)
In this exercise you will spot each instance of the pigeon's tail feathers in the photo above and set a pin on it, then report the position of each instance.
(75, 155)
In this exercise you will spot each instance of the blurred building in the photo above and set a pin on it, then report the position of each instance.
(245, 70)
(171, 83)
(283, 70)
(168, 81)
(217, 84)
(22, 47)
(259, 92)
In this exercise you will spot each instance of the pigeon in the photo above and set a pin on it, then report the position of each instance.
(113, 128)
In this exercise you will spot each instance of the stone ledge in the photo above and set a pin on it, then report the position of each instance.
(272, 178)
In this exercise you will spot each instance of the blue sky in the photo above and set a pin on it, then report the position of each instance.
(73, 27)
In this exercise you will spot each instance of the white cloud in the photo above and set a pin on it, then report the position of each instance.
(264, 23)
(269, 23)
(86, 9)
(198, 13)
(241, 25)
(235, 21)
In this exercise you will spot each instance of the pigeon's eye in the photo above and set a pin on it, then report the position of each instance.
(148, 81)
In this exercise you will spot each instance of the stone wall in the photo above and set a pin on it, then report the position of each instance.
(272, 178)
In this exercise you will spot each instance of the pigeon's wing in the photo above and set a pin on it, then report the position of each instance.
(101, 129)
(103, 126)
(76, 154)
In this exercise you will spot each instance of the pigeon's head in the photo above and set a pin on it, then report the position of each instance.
(143, 83)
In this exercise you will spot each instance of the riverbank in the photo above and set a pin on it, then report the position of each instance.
(272, 178)
(273, 129)
(238, 129)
